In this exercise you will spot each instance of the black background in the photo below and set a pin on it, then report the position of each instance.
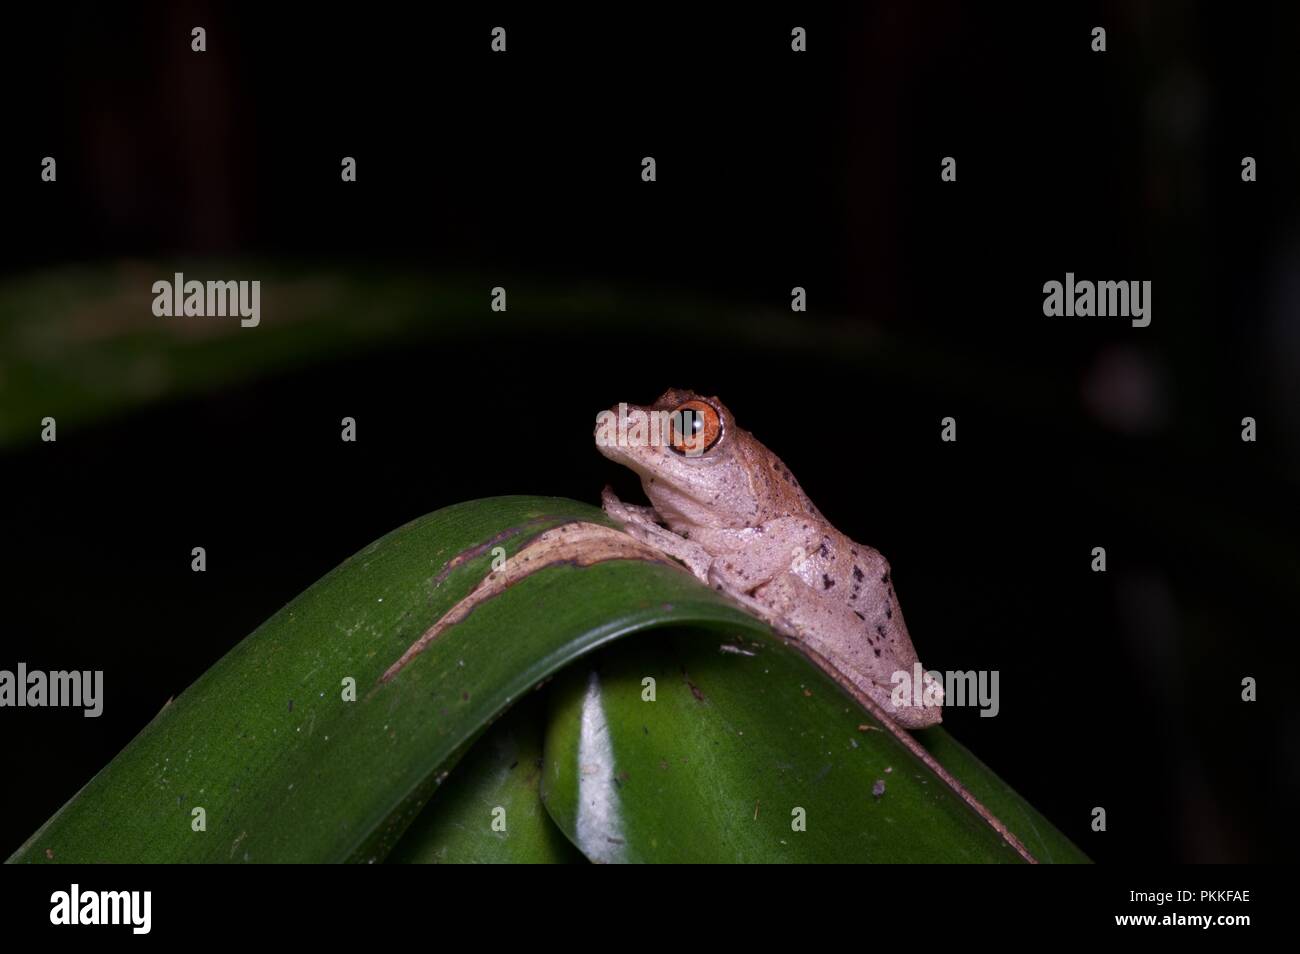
(821, 169)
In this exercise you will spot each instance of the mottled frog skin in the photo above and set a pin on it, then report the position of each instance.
(731, 511)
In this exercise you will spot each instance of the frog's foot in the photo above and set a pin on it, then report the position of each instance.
(641, 523)
(735, 577)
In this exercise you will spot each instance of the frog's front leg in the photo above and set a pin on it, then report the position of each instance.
(642, 523)
(626, 512)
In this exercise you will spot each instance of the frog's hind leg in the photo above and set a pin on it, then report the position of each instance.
(757, 607)
(857, 650)
(744, 578)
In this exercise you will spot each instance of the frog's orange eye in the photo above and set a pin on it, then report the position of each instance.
(695, 427)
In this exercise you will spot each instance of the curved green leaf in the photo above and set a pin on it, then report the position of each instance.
(490, 809)
(285, 769)
(1043, 839)
(270, 752)
(736, 749)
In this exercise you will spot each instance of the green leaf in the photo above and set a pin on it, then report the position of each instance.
(490, 809)
(285, 766)
(286, 770)
(734, 746)
(1040, 836)
(81, 343)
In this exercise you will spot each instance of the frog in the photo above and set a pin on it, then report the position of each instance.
(729, 510)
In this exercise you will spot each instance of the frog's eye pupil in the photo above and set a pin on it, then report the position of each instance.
(687, 422)
(695, 428)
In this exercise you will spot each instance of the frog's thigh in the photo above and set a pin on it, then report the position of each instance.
(756, 555)
(723, 576)
(746, 571)
(827, 625)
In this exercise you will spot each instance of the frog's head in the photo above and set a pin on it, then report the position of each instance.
(696, 466)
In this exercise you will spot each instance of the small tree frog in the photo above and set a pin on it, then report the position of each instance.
(731, 511)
